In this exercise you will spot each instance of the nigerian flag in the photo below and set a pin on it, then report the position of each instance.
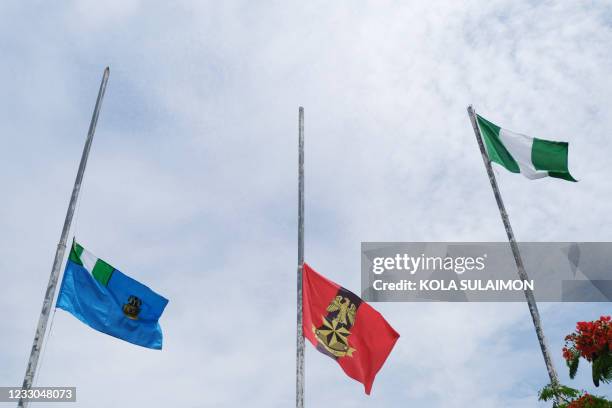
(109, 301)
(532, 157)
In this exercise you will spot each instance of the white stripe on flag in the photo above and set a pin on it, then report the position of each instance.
(89, 260)
(519, 146)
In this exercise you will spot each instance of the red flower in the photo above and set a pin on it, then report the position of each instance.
(590, 339)
(583, 402)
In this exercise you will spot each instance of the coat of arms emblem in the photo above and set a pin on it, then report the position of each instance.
(336, 327)
(132, 308)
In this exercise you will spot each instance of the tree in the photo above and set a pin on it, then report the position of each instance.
(591, 341)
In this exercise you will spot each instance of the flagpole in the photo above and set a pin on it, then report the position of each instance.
(299, 373)
(61, 247)
(531, 302)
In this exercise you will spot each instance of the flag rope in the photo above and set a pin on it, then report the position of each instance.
(77, 211)
(43, 351)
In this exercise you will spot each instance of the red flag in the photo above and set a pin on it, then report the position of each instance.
(339, 324)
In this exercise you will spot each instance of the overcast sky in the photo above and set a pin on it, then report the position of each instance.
(192, 184)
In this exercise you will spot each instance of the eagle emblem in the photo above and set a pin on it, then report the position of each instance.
(336, 327)
(132, 308)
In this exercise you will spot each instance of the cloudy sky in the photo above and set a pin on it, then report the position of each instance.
(192, 184)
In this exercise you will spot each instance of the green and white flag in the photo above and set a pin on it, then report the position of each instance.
(532, 157)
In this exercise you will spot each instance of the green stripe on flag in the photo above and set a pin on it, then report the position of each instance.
(75, 253)
(495, 148)
(547, 155)
(552, 157)
(102, 272)
(564, 176)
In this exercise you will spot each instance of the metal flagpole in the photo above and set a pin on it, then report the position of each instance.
(531, 302)
(299, 370)
(61, 247)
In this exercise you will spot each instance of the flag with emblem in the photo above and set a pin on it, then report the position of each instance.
(532, 157)
(342, 326)
(109, 301)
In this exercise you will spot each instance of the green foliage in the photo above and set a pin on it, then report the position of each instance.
(573, 365)
(567, 397)
(602, 369)
(549, 392)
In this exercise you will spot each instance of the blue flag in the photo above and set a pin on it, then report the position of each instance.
(109, 301)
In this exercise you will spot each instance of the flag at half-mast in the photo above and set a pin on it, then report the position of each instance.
(532, 157)
(344, 327)
(109, 301)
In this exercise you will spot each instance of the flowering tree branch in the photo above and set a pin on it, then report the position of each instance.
(593, 342)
